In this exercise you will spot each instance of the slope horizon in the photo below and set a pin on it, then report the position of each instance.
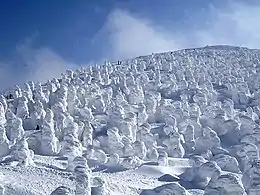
(220, 46)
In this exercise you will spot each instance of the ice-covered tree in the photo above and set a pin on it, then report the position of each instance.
(49, 142)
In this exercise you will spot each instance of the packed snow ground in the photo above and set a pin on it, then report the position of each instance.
(50, 174)
(179, 123)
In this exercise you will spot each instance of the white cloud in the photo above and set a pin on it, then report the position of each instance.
(130, 35)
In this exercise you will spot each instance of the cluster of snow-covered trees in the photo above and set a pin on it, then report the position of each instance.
(201, 104)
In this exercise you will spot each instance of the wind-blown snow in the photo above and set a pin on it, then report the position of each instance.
(181, 123)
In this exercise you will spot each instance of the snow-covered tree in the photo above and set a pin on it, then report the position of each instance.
(83, 181)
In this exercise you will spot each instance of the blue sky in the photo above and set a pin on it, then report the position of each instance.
(39, 36)
(69, 27)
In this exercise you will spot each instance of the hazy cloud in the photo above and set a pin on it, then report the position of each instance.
(235, 25)
(30, 63)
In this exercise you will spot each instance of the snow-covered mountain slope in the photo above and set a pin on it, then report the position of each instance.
(183, 122)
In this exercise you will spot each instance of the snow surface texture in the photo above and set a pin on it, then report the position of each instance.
(179, 123)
